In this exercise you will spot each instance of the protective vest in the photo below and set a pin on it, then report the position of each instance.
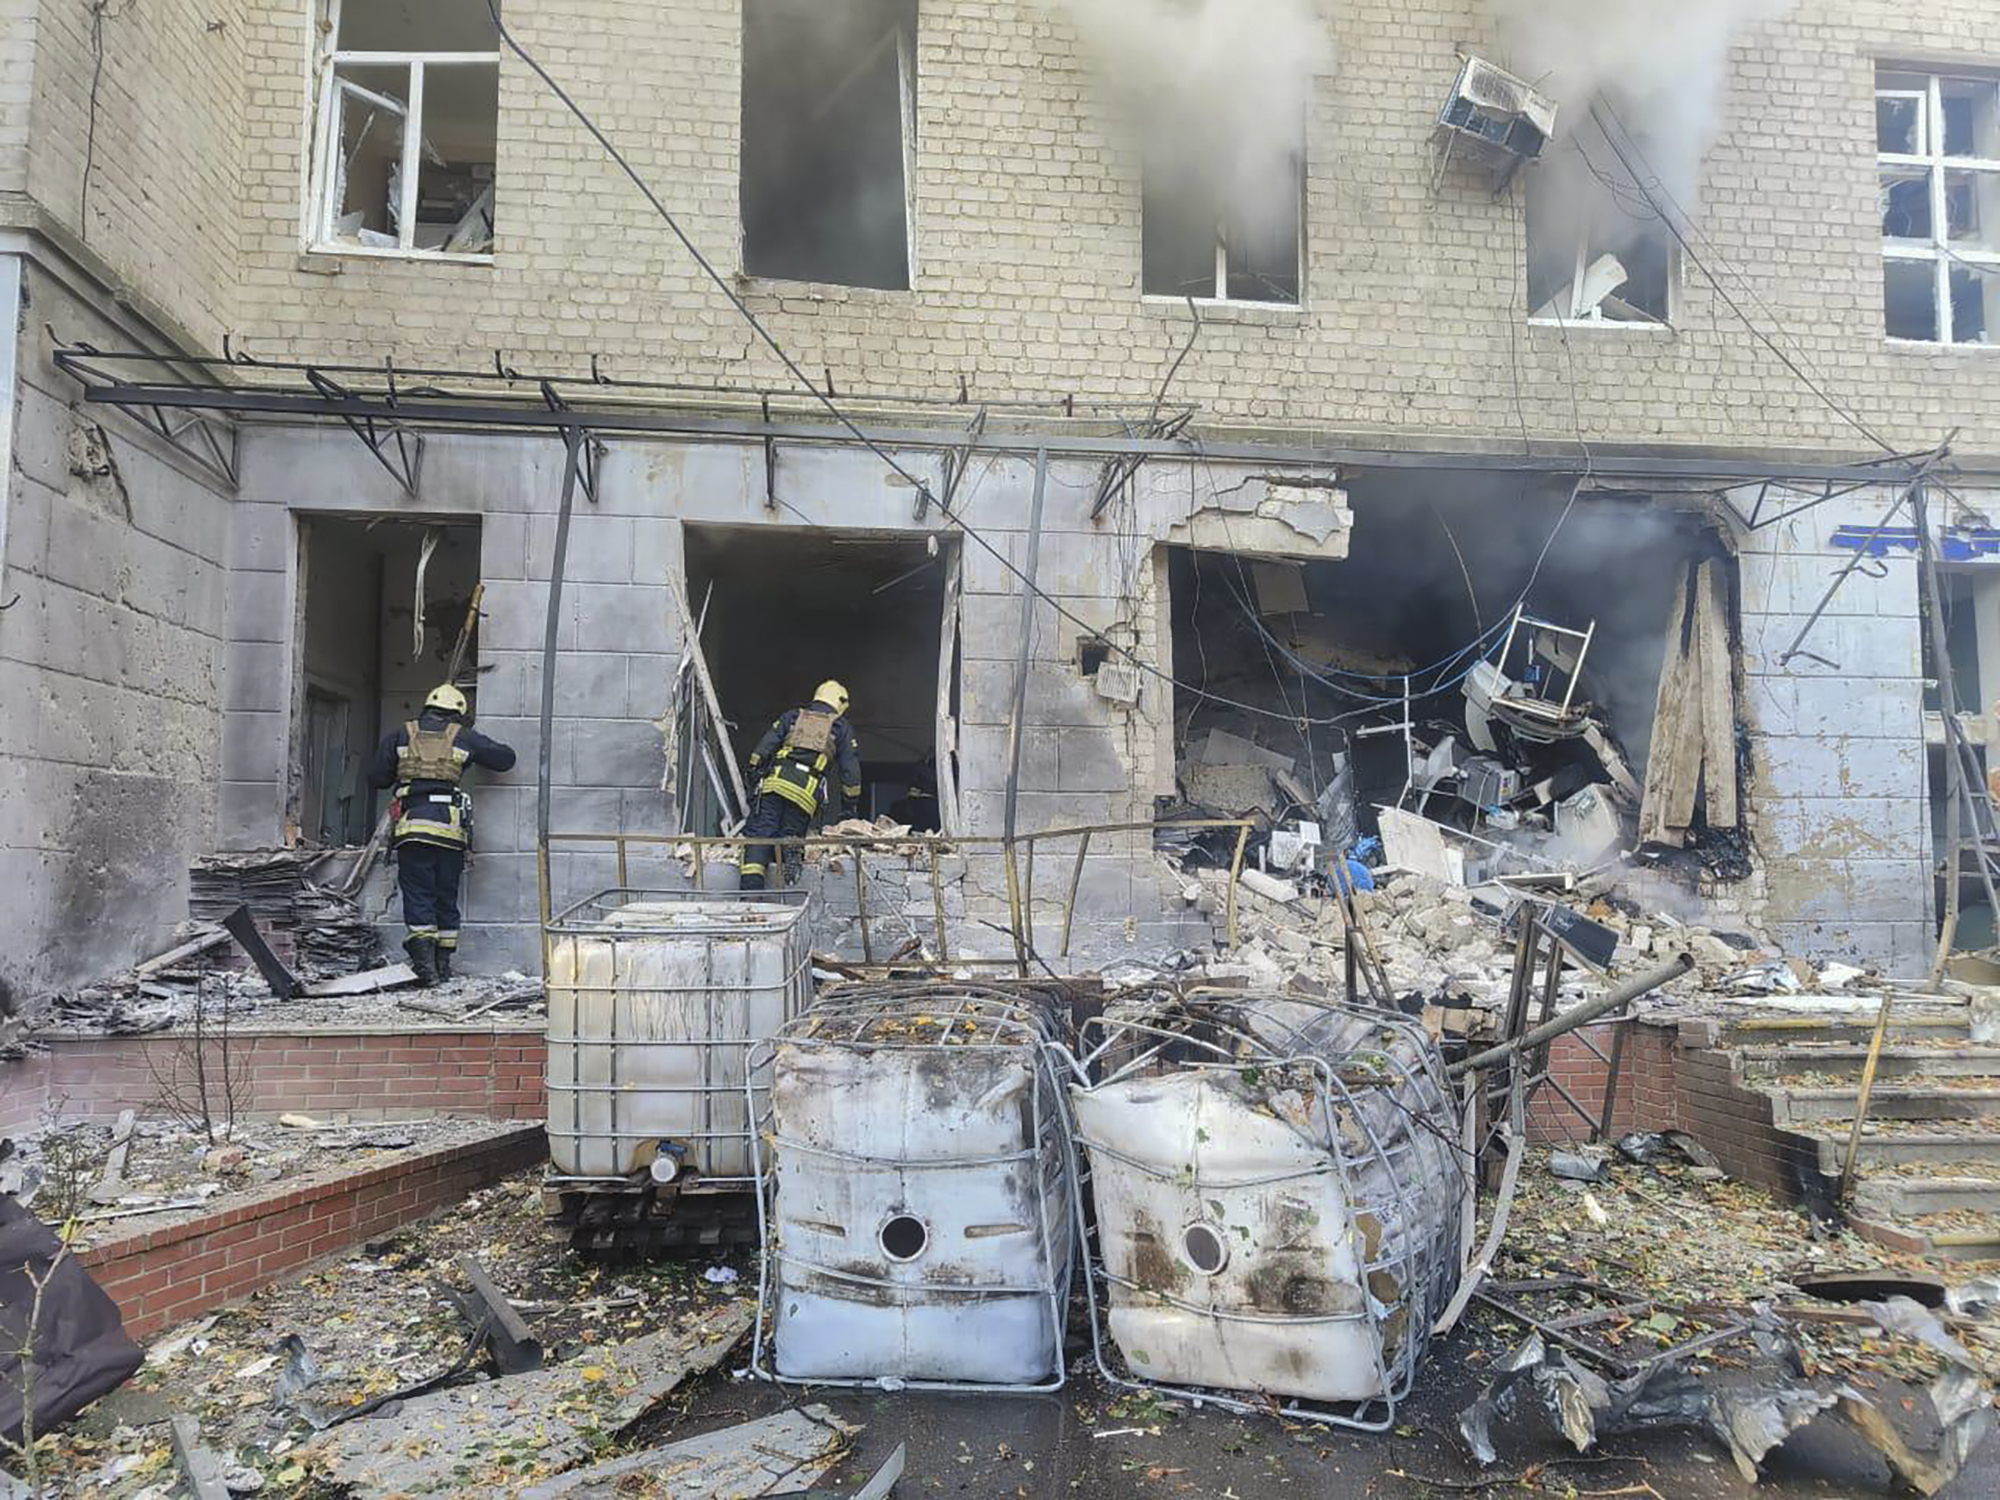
(434, 817)
(798, 770)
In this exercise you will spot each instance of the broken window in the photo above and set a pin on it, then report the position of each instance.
(1402, 676)
(409, 115)
(829, 95)
(878, 614)
(1937, 143)
(385, 605)
(1222, 235)
(1598, 251)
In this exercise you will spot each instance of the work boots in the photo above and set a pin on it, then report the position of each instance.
(443, 962)
(423, 953)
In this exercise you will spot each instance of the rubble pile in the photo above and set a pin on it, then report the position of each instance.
(1433, 936)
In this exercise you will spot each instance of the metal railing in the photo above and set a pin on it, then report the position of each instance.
(1019, 855)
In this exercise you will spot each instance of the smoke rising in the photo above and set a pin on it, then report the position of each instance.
(1664, 70)
(1218, 88)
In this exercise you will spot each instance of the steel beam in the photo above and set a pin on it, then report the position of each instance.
(415, 410)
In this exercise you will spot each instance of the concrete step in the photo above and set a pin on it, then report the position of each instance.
(1849, 1060)
(1941, 1024)
(1942, 1237)
(1898, 1197)
(1895, 1102)
(1911, 1147)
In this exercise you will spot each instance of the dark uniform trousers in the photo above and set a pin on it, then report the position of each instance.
(429, 875)
(772, 818)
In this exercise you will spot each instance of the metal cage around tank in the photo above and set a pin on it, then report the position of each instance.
(1367, 1171)
(656, 998)
(929, 1246)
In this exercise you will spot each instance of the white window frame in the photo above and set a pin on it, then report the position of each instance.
(1930, 159)
(324, 200)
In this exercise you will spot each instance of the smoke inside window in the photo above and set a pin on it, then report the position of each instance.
(1220, 233)
(828, 94)
(1598, 251)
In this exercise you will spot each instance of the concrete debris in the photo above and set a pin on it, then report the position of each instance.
(792, 1450)
(419, 1449)
(1221, 748)
(1442, 940)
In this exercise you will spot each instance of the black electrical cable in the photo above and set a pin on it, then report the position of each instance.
(1850, 418)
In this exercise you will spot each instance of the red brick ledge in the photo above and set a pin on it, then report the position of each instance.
(160, 1277)
(369, 1071)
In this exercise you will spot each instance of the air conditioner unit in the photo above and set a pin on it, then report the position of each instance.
(1503, 118)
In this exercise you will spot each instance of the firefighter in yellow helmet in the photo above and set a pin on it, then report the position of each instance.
(793, 767)
(431, 820)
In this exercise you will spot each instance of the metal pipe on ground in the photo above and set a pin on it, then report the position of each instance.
(1577, 1015)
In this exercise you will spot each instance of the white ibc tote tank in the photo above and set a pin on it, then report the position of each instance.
(914, 1176)
(1278, 1190)
(654, 1005)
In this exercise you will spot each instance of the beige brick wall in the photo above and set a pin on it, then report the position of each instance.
(1028, 228)
(165, 199)
(17, 81)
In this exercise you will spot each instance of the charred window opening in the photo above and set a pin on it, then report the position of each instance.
(828, 130)
(409, 119)
(1092, 652)
(1402, 677)
(867, 611)
(370, 652)
(1598, 251)
(1222, 231)
(1937, 142)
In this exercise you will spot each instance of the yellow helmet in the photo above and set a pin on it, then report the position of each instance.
(448, 698)
(832, 694)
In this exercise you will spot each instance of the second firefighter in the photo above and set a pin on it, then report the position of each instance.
(795, 763)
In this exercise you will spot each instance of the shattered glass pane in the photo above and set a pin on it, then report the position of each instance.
(1899, 124)
(1971, 111)
(1972, 211)
(455, 168)
(370, 104)
(1975, 303)
(1906, 204)
(1909, 299)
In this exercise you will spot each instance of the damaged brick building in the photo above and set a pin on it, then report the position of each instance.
(1299, 445)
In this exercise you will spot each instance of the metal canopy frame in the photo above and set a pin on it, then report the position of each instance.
(388, 407)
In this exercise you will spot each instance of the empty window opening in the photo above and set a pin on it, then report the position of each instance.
(1321, 639)
(904, 1237)
(1937, 142)
(410, 106)
(1598, 251)
(366, 661)
(828, 131)
(1972, 634)
(1218, 231)
(866, 611)
(1092, 652)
